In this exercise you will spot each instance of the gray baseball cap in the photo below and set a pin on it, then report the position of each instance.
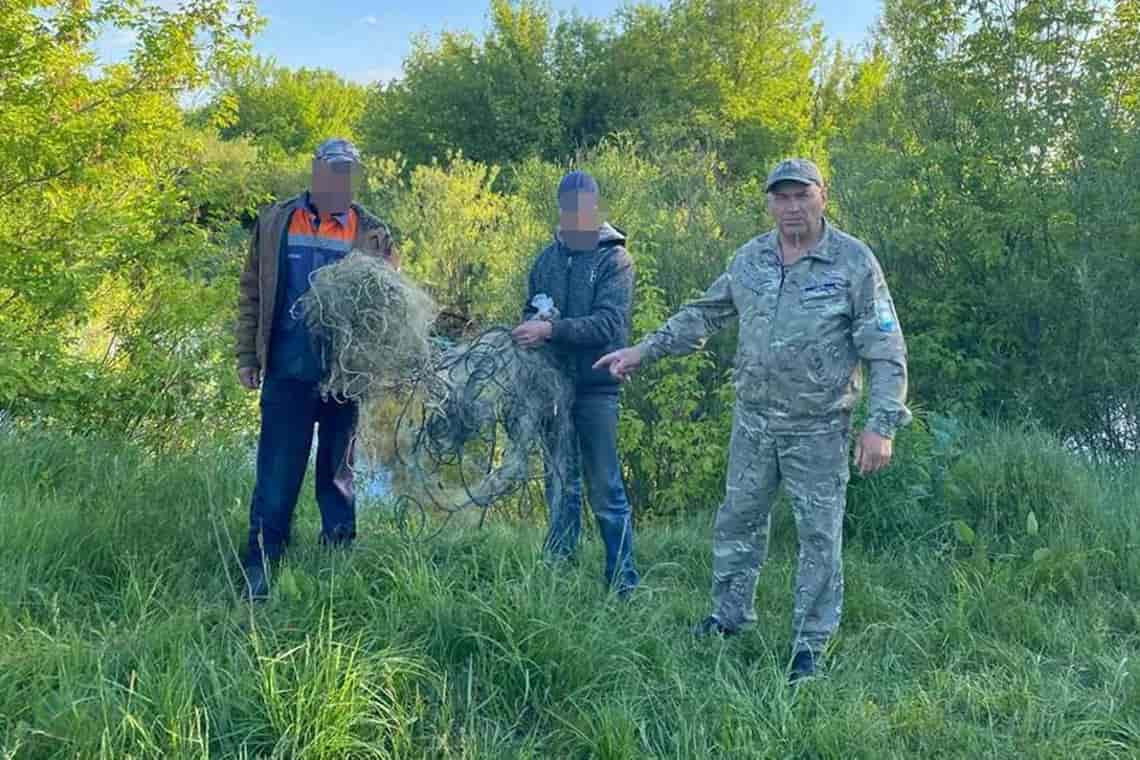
(337, 151)
(795, 170)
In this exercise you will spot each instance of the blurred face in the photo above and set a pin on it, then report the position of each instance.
(332, 186)
(796, 207)
(578, 220)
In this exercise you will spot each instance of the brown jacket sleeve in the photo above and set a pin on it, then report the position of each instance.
(378, 239)
(249, 304)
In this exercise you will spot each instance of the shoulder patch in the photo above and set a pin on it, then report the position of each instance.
(884, 316)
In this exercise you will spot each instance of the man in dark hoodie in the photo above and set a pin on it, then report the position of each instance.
(579, 302)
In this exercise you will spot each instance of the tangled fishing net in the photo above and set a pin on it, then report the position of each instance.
(460, 425)
(372, 323)
(479, 416)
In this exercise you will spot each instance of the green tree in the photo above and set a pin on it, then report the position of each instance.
(495, 101)
(465, 241)
(733, 75)
(287, 110)
(90, 160)
(978, 175)
(436, 108)
(590, 106)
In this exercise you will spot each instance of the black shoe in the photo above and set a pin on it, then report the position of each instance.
(803, 667)
(340, 538)
(560, 559)
(710, 626)
(625, 591)
(256, 583)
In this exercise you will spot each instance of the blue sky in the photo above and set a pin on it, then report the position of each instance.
(366, 41)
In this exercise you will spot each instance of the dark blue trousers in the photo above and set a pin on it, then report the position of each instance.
(592, 452)
(289, 411)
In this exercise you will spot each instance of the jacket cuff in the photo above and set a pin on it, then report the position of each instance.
(887, 424)
(650, 350)
(560, 332)
(882, 428)
(245, 360)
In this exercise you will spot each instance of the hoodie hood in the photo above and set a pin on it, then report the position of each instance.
(608, 236)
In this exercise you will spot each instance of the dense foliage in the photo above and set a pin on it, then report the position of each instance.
(112, 292)
(989, 152)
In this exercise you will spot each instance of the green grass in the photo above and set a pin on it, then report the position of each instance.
(121, 634)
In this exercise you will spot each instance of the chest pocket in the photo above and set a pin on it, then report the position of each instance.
(825, 294)
(755, 278)
(755, 289)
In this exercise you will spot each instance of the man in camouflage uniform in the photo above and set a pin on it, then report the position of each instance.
(813, 307)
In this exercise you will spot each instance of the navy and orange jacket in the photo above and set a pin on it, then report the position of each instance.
(267, 291)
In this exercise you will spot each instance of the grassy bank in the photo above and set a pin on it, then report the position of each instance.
(971, 630)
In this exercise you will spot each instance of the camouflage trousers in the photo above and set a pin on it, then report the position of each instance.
(814, 469)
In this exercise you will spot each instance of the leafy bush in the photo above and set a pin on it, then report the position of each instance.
(898, 507)
(1008, 474)
(1002, 221)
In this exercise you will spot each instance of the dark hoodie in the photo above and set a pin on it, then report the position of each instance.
(593, 291)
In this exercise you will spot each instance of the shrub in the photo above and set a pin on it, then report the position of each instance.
(1009, 473)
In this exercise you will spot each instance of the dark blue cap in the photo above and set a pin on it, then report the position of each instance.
(577, 182)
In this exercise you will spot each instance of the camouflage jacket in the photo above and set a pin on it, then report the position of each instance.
(804, 333)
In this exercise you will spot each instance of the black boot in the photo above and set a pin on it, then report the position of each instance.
(803, 666)
(341, 537)
(710, 626)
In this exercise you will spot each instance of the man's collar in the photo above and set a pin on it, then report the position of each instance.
(822, 250)
(341, 217)
(560, 242)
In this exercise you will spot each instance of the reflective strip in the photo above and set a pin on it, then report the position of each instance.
(322, 243)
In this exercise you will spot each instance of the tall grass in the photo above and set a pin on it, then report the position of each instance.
(121, 634)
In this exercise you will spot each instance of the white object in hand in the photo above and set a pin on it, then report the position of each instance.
(544, 307)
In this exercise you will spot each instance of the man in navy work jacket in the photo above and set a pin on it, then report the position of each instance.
(276, 353)
(588, 275)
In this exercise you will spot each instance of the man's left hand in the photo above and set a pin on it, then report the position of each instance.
(872, 452)
(533, 333)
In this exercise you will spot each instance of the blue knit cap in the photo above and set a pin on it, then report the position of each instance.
(577, 182)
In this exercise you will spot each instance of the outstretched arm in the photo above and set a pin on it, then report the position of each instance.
(685, 332)
(688, 329)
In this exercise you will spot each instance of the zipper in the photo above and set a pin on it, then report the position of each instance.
(775, 321)
(779, 298)
(566, 288)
